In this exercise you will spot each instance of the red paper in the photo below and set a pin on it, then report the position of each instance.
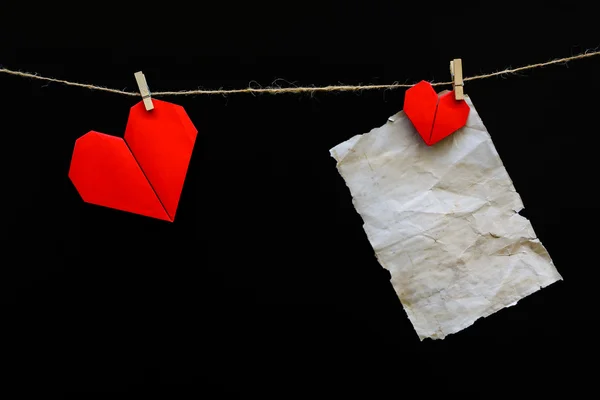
(144, 172)
(434, 116)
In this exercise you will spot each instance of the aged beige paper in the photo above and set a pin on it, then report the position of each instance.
(444, 221)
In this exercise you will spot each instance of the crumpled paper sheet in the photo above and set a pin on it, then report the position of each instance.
(444, 221)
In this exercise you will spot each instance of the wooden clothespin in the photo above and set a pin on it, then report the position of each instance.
(457, 78)
(144, 90)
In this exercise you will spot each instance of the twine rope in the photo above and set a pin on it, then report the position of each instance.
(294, 89)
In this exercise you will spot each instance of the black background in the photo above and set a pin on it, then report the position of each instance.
(266, 285)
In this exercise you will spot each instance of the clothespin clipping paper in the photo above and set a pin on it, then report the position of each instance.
(144, 90)
(457, 78)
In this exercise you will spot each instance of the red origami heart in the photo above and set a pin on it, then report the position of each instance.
(434, 116)
(143, 173)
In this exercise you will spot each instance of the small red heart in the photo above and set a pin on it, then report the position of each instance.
(434, 116)
(143, 173)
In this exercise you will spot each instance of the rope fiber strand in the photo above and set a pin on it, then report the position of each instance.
(281, 90)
